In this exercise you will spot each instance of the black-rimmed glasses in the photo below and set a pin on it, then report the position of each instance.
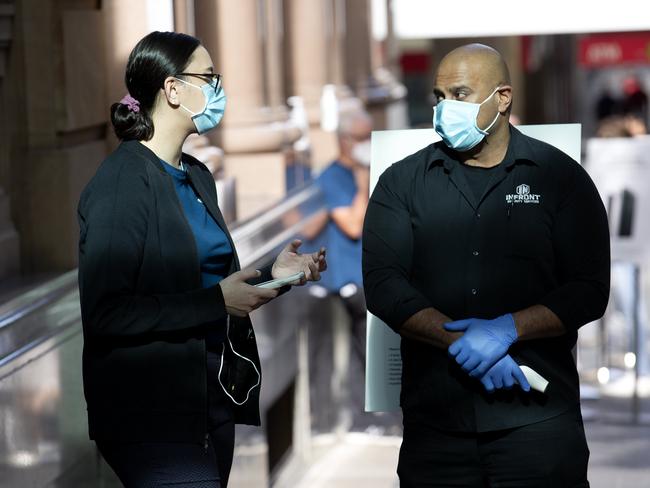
(209, 77)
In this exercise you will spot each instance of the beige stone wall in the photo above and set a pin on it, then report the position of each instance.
(9, 239)
(55, 99)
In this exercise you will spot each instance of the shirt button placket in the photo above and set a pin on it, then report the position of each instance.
(475, 252)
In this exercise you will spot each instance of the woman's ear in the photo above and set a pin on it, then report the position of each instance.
(170, 88)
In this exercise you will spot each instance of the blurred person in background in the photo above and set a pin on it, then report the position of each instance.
(344, 184)
(621, 126)
(635, 99)
(607, 105)
(625, 115)
(486, 251)
(170, 361)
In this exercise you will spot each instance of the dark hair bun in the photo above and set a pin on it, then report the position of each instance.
(130, 125)
(157, 56)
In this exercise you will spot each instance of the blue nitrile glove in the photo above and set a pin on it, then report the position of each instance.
(504, 374)
(483, 343)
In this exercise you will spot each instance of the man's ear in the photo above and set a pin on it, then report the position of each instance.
(170, 87)
(505, 98)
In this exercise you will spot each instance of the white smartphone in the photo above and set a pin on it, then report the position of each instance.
(280, 282)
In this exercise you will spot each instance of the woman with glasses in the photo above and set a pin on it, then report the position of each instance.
(170, 361)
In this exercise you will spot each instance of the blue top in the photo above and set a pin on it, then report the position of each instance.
(215, 253)
(214, 250)
(344, 254)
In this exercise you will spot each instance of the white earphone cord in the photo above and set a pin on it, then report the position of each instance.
(223, 350)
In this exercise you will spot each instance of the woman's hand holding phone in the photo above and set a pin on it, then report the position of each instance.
(242, 298)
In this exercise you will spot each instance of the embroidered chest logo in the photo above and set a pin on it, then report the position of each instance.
(522, 195)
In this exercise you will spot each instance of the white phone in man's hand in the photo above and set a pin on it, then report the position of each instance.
(536, 380)
(280, 282)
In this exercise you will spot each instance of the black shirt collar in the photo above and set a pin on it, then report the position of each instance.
(518, 151)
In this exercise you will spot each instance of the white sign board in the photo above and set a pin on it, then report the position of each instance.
(620, 168)
(383, 359)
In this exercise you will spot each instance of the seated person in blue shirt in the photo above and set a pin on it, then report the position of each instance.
(344, 184)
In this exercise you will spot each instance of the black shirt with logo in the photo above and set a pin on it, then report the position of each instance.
(537, 234)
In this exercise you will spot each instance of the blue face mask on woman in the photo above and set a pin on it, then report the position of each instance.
(215, 105)
(455, 122)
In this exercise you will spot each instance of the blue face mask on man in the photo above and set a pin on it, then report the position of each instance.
(455, 122)
(215, 105)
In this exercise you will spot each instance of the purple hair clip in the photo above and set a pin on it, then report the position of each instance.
(132, 103)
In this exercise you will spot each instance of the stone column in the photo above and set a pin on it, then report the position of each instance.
(274, 62)
(184, 16)
(316, 30)
(374, 84)
(9, 240)
(253, 132)
(338, 43)
(358, 68)
(125, 23)
(310, 27)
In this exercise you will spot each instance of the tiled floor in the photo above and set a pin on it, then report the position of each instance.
(620, 455)
(356, 461)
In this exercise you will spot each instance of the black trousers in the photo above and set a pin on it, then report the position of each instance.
(324, 407)
(150, 465)
(548, 454)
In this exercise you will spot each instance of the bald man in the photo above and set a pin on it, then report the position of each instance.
(485, 252)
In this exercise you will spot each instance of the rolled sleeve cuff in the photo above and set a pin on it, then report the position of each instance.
(402, 311)
(572, 308)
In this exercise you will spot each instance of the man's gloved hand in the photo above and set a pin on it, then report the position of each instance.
(483, 343)
(504, 374)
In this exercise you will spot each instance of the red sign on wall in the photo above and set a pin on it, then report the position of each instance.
(601, 50)
(415, 62)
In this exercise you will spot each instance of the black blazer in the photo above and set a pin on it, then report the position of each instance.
(144, 312)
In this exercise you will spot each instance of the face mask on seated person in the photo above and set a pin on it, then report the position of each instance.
(455, 122)
(215, 105)
(361, 153)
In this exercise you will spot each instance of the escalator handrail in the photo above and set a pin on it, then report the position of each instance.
(36, 298)
(20, 308)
